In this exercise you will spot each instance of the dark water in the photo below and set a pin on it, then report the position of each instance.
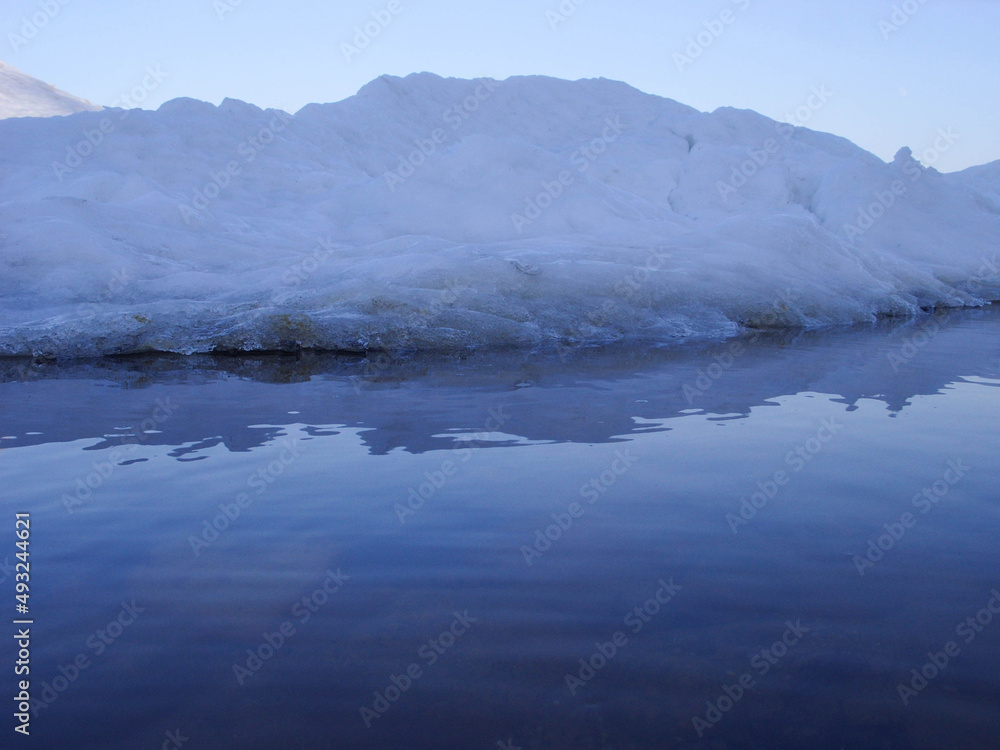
(382, 516)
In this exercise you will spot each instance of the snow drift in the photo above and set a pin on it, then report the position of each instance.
(435, 213)
(24, 96)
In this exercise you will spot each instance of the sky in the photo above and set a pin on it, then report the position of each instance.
(884, 74)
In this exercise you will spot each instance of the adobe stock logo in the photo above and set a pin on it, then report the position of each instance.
(566, 9)
(32, 25)
(429, 654)
(712, 30)
(762, 662)
(581, 159)
(901, 15)
(967, 630)
(635, 620)
(365, 35)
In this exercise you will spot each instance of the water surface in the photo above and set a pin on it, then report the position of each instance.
(431, 545)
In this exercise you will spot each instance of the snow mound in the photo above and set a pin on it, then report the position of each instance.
(433, 213)
(24, 96)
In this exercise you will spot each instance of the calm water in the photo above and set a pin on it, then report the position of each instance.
(431, 547)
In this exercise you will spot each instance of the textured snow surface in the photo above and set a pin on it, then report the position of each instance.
(24, 96)
(435, 213)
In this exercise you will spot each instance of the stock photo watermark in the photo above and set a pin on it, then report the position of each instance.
(635, 620)
(937, 661)
(883, 201)
(174, 740)
(223, 8)
(724, 359)
(581, 159)
(299, 272)
(377, 362)
(454, 117)
(591, 491)
(712, 30)
(88, 484)
(418, 495)
(924, 502)
(796, 460)
(93, 138)
(761, 663)
(914, 342)
(366, 33)
(97, 644)
(563, 12)
(759, 157)
(289, 451)
(630, 288)
(117, 283)
(301, 612)
(32, 26)
(427, 655)
(219, 180)
(901, 15)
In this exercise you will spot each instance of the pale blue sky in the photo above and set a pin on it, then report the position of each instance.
(941, 69)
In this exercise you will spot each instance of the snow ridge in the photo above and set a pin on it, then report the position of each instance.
(435, 213)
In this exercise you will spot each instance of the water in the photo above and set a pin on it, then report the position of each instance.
(405, 499)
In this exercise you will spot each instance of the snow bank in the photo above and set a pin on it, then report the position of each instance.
(24, 96)
(440, 213)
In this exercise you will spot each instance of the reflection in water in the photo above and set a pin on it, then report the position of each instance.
(690, 548)
(412, 402)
